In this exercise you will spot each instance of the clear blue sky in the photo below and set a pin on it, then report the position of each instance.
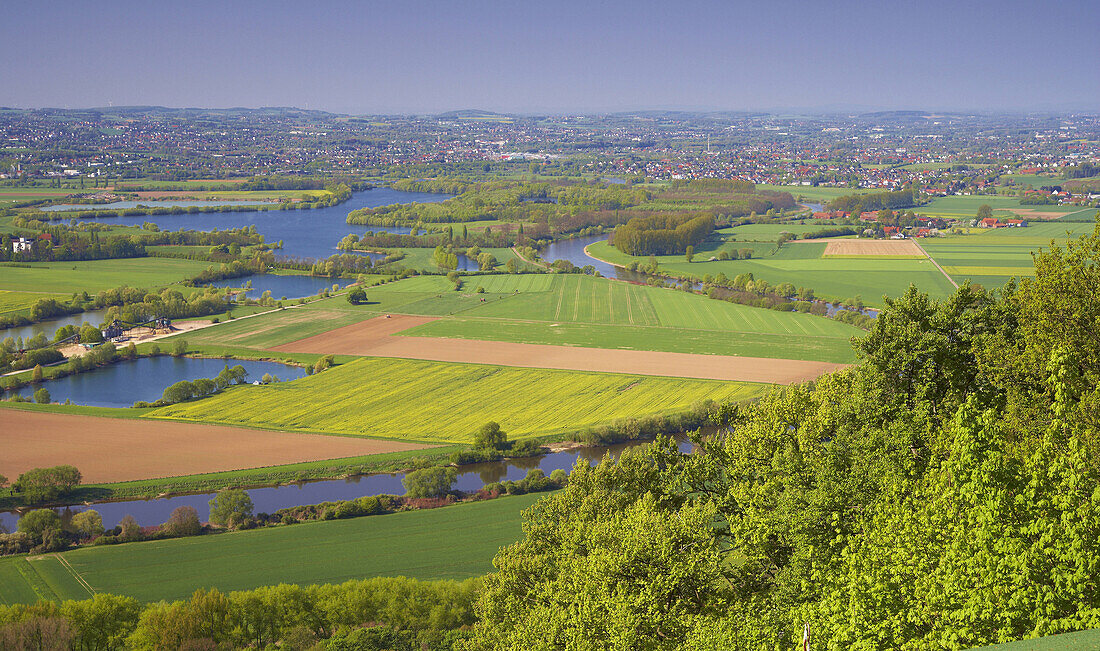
(414, 56)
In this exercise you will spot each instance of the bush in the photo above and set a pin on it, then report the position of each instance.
(184, 521)
(491, 436)
(36, 523)
(429, 482)
(88, 523)
(42, 396)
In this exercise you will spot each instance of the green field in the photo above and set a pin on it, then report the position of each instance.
(449, 543)
(802, 264)
(443, 402)
(991, 257)
(95, 275)
(967, 207)
(15, 301)
(627, 337)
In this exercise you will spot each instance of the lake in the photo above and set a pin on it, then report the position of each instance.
(94, 317)
(305, 233)
(282, 286)
(123, 205)
(268, 500)
(124, 383)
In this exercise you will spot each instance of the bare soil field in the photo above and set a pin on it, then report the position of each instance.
(873, 247)
(375, 338)
(1031, 213)
(111, 450)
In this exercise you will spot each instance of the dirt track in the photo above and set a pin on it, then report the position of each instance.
(374, 338)
(110, 449)
(873, 247)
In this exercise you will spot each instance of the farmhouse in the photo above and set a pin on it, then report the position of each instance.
(989, 222)
(21, 244)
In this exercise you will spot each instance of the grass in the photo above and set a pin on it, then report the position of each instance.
(967, 207)
(96, 275)
(626, 337)
(16, 301)
(803, 265)
(449, 543)
(443, 402)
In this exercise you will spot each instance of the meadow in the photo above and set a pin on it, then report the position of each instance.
(455, 542)
(95, 275)
(16, 301)
(990, 257)
(447, 402)
(960, 207)
(803, 265)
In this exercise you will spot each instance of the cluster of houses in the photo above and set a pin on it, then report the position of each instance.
(993, 222)
(27, 244)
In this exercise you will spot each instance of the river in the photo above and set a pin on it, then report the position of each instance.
(270, 499)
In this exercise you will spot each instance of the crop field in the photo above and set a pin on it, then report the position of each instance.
(991, 257)
(583, 299)
(802, 264)
(627, 337)
(112, 450)
(455, 542)
(963, 207)
(431, 401)
(95, 275)
(904, 248)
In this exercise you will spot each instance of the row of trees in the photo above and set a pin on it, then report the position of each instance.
(873, 201)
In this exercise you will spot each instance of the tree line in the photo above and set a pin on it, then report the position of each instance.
(662, 235)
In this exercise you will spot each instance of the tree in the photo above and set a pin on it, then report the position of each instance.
(47, 484)
(184, 521)
(689, 253)
(36, 374)
(429, 482)
(231, 508)
(38, 522)
(179, 347)
(90, 334)
(88, 523)
(984, 211)
(131, 530)
(357, 296)
(491, 436)
(42, 396)
(178, 392)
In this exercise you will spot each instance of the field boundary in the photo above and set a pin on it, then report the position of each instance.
(373, 339)
(938, 266)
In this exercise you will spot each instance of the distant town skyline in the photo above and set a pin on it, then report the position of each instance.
(428, 57)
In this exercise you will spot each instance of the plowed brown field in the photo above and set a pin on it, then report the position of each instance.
(112, 449)
(374, 338)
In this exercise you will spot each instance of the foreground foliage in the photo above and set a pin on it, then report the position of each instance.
(944, 494)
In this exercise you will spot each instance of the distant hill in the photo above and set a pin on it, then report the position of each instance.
(471, 113)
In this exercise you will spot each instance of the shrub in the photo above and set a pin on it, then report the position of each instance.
(429, 482)
(47, 484)
(184, 521)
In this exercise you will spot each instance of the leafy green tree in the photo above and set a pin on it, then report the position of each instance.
(429, 482)
(984, 211)
(36, 374)
(102, 622)
(47, 484)
(42, 396)
(88, 523)
(38, 522)
(90, 334)
(491, 436)
(357, 296)
(231, 508)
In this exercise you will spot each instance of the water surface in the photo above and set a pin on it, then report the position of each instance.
(124, 383)
(282, 286)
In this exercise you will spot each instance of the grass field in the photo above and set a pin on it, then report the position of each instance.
(445, 402)
(95, 275)
(626, 337)
(967, 207)
(16, 301)
(991, 257)
(449, 543)
(802, 264)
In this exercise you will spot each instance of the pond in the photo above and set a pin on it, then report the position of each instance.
(573, 251)
(94, 317)
(305, 233)
(271, 499)
(282, 286)
(124, 383)
(149, 203)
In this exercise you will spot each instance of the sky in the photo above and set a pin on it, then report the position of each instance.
(571, 56)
